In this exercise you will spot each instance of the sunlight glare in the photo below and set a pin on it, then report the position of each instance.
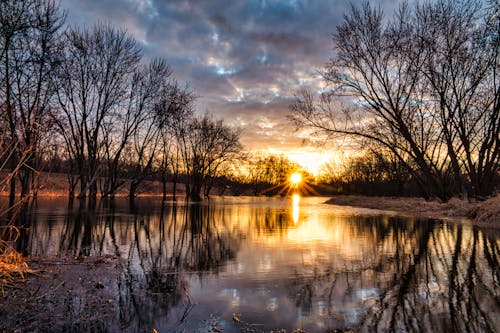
(295, 178)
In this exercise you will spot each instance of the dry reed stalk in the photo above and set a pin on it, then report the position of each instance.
(13, 268)
(13, 265)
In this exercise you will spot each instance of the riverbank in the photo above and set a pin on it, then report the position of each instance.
(484, 214)
(76, 293)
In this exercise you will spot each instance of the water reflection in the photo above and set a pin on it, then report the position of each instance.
(295, 208)
(280, 264)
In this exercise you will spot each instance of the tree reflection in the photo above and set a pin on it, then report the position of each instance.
(170, 248)
(434, 278)
(365, 273)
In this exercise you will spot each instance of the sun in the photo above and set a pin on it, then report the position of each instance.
(295, 179)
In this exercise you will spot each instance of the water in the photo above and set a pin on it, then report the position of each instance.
(257, 264)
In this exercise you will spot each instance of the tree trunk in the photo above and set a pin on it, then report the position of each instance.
(133, 188)
(25, 177)
(164, 185)
(12, 191)
(83, 185)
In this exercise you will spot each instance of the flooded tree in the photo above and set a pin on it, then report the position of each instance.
(175, 110)
(97, 67)
(207, 147)
(422, 84)
(29, 47)
(132, 138)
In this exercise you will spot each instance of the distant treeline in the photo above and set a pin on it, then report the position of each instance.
(373, 173)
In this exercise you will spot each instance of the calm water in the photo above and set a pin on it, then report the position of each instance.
(279, 264)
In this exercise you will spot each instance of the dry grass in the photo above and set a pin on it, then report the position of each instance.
(484, 213)
(13, 269)
(13, 265)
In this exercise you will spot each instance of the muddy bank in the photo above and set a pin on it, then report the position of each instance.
(63, 295)
(485, 214)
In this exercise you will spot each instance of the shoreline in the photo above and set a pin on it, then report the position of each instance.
(483, 214)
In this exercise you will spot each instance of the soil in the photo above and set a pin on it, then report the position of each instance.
(484, 214)
(65, 295)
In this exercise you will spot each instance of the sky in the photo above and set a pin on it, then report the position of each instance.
(244, 60)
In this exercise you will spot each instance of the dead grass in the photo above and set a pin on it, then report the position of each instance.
(486, 213)
(13, 265)
(13, 269)
(483, 213)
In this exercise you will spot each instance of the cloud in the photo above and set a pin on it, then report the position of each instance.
(244, 59)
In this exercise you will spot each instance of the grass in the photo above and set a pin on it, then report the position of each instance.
(13, 265)
(481, 213)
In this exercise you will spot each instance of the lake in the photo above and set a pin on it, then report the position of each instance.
(253, 264)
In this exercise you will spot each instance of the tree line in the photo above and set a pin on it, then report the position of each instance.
(90, 95)
(372, 173)
(422, 86)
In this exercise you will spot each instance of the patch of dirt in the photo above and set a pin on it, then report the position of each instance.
(481, 213)
(65, 295)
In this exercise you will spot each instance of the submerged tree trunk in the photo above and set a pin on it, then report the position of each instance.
(174, 189)
(164, 185)
(133, 188)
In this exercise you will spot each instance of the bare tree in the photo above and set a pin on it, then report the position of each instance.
(135, 127)
(175, 111)
(424, 86)
(209, 145)
(147, 139)
(28, 47)
(97, 67)
(462, 73)
(268, 174)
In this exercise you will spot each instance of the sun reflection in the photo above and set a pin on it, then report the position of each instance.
(295, 208)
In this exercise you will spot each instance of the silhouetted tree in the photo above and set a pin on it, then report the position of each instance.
(132, 138)
(29, 46)
(92, 83)
(209, 145)
(267, 174)
(424, 85)
(175, 110)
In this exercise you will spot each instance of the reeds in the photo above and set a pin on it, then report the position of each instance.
(13, 265)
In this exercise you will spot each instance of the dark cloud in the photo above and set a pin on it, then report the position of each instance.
(244, 59)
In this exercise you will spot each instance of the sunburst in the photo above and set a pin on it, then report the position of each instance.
(294, 184)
